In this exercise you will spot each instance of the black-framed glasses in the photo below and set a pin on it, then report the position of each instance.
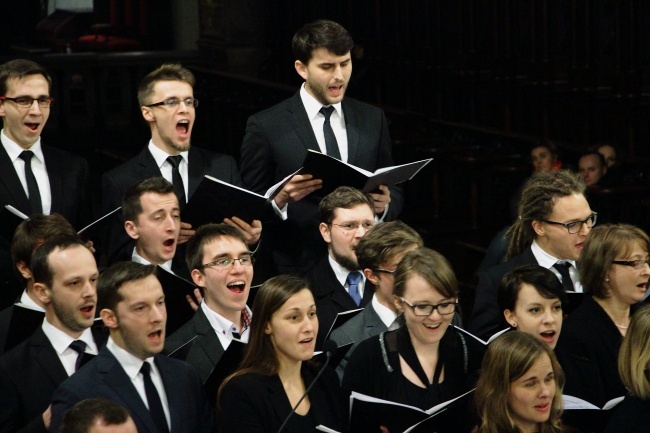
(636, 264)
(27, 101)
(173, 102)
(575, 226)
(354, 226)
(385, 271)
(423, 310)
(229, 262)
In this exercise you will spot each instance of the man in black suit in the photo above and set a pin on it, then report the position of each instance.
(337, 281)
(378, 253)
(277, 141)
(35, 178)
(162, 394)
(167, 103)
(222, 265)
(20, 320)
(65, 275)
(554, 220)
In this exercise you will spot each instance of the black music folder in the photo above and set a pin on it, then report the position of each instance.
(179, 311)
(335, 173)
(585, 417)
(367, 414)
(342, 318)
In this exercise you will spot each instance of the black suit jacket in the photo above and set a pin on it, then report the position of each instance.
(253, 403)
(68, 176)
(104, 377)
(115, 182)
(331, 297)
(486, 318)
(26, 322)
(275, 145)
(29, 375)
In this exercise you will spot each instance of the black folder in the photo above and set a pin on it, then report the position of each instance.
(337, 356)
(175, 288)
(335, 173)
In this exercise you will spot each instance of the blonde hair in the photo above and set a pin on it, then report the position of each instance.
(634, 355)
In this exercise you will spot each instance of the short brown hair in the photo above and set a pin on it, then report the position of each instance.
(603, 244)
(112, 279)
(383, 242)
(205, 235)
(40, 264)
(20, 68)
(131, 204)
(166, 72)
(343, 197)
(82, 416)
(634, 355)
(430, 265)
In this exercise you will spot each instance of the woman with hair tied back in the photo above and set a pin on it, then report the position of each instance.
(275, 372)
(426, 361)
(632, 415)
(614, 270)
(520, 387)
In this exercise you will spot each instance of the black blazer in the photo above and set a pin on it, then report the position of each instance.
(331, 297)
(115, 182)
(21, 330)
(29, 375)
(486, 319)
(252, 403)
(275, 145)
(104, 377)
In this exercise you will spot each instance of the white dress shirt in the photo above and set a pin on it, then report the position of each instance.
(386, 315)
(166, 168)
(224, 327)
(61, 343)
(547, 261)
(135, 257)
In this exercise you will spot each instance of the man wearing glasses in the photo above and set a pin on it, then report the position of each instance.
(337, 281)
(554, 218)
(35, 178)
(167, 103)
(222, 265)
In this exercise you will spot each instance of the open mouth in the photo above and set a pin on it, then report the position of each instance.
(642, 286)
(169, 243)
(155, 336)
(548, 336)
(32, 126)
(307, 340)
(183, 127)
(88, 310)
(237, 287)
(543, 407)
(435, 326)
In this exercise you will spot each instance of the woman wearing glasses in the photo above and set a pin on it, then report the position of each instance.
(426, 361)
(614, 270)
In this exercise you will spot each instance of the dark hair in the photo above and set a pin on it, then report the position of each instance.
(601, 247)
(112, 279)
(259, 356)
(543, 280)
(204, 235)
(507, 359)
(32, 232)
(321, 34)
(131, 204)
(40, 266)
(343, 197)
(538, 197)
(552, 148)
(166, 72)
(430, 265)
(20, 68)
(82, 416)
(383, 242)
(598, 156)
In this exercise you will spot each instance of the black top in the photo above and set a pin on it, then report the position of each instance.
(588, 352)
(368, 373)
(632, 415)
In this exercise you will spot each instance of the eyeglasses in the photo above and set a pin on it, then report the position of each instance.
(354, 226)
(173, 102)
(385, 271)
(228, 263)
(636, 264)
(423, 310)
(575, 226)
(27, 101)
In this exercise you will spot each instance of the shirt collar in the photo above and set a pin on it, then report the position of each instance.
(546, 260)
(313, 106)
(341, 273)
(160, 156)
(223, 326)
(129, 362)
(386, 315)
(27, 302)
(61, 341)
(135, 257)
(14, 150)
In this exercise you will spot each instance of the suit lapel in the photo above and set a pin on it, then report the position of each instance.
(196, 170)
(371, 323)
(147, 165)
(175, 400)
(278, 398)
(12, 184)
(54, 173)
(352, 130)
(47, 357)
(115, 378)
(302, 124)
(207, 349)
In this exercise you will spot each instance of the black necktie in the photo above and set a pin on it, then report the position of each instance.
(177, 180)
(155, 405)
(32, 186)
(330, 139)
(79, 347)
(563, 269)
